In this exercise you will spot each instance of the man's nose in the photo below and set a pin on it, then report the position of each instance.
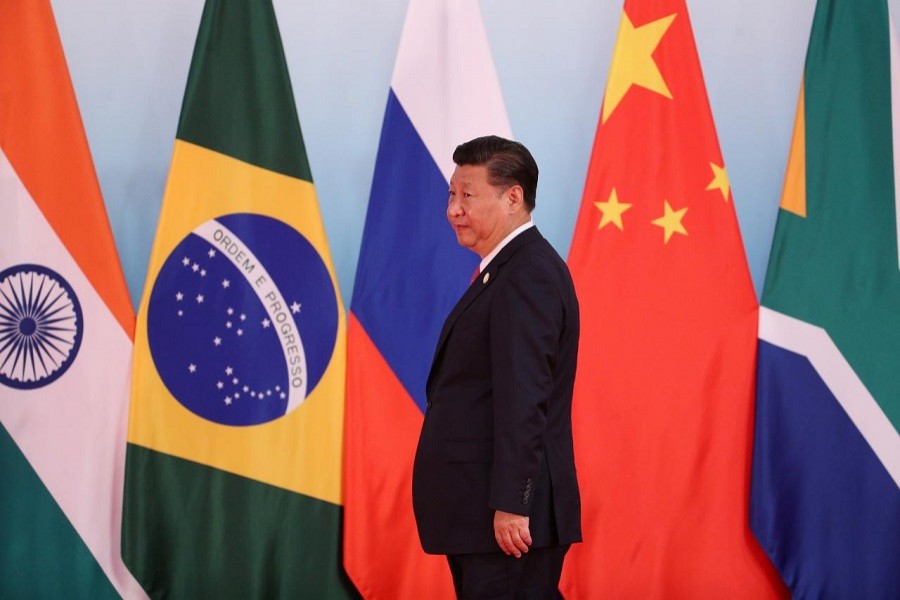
(454, 208)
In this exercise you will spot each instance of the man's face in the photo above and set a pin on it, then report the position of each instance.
(476, 209)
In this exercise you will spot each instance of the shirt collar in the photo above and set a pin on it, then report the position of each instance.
(487, 259)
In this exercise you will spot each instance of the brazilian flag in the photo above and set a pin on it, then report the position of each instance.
(233, 467)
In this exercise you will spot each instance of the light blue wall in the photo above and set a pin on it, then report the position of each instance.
(129, 62)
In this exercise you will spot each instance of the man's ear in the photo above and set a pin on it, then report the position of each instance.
(515, 199)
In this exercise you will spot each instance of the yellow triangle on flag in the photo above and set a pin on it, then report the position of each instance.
(793, 196)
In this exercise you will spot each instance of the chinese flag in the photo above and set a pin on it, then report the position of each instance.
(663, 409)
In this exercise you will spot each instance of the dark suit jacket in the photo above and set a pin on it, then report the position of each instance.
(498, 431)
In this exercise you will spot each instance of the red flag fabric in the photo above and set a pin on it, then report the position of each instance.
(663, 408)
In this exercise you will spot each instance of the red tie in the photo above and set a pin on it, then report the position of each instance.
(475, 273)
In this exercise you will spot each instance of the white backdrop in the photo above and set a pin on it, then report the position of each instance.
(129, 61)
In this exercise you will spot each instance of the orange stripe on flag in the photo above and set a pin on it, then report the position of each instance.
(37, 103)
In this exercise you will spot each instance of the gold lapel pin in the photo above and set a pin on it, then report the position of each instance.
(487, 277)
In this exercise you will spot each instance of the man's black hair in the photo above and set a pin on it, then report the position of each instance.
(508, 163)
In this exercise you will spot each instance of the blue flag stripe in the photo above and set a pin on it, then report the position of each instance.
(863, 410)
(411, 270)
(811, 465)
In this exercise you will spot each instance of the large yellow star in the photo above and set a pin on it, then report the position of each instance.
(671, 221)
(720, 180)
(612, 211)
(632, 62)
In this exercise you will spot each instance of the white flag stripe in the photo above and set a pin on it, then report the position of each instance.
(895, 120)
(72, 431)
(268, 294)
(815, 344)
(445, 80)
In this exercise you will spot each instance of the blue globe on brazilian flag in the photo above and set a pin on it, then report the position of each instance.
(235, 334)
(233, 468)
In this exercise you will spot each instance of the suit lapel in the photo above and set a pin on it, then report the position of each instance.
(481, 282)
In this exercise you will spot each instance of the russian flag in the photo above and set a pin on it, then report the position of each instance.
(825, 494)
(444, 91)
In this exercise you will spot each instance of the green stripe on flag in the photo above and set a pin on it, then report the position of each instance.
(838, 267)
(239, 99)
(44, 557)
(196, 532)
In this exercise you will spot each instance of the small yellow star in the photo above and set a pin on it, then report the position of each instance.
(720, 180)
(671, 221)
(612, 211)
(632, 61)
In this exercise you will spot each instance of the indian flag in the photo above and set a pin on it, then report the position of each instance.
(233, 475)
(65, 333)
(826, 466)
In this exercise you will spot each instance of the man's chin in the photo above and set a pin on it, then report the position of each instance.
(464, 240)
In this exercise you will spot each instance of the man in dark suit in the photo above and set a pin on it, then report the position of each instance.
(494, 484)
